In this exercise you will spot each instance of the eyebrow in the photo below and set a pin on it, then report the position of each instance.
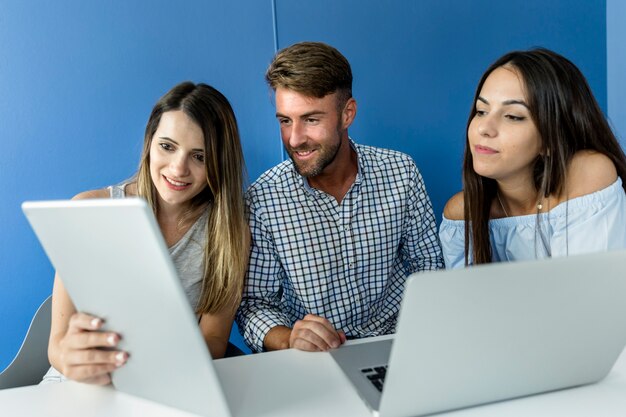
(176, 143)
(303, 116)
(506, 102)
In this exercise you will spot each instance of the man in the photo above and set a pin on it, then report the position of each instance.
(337, 228)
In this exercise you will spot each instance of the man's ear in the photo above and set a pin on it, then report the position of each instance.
(349, 113)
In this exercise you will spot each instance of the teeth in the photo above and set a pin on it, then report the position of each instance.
(176, 183)
(304, 153)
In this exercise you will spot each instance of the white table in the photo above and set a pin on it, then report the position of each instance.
(293, 383)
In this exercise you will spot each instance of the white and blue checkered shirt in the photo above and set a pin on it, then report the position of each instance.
(345, 262)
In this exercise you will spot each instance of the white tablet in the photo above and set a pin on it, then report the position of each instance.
(114, 262)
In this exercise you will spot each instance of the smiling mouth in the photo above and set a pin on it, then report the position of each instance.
(176, 184)
(302, 153)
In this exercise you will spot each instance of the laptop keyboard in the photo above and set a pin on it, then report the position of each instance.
(376, 375)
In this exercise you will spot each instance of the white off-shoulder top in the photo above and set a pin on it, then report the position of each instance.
(594, 222)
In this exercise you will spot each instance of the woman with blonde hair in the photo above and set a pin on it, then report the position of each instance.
(191, 173)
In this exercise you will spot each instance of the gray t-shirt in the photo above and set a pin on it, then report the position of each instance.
(187, 255)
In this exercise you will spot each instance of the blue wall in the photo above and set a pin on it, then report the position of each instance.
(416, 64)
(78, 80)
(77, 87)
(616, 65)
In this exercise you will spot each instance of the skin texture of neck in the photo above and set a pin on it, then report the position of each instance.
(169, 218)
(519, 197)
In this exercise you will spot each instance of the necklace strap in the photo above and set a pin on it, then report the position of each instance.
(501, 205)
(539, 204)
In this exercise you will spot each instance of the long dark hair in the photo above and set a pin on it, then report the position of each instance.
(568, 119)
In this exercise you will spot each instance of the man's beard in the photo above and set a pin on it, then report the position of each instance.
(326, 156)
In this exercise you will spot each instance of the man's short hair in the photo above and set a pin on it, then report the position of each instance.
(314, 69)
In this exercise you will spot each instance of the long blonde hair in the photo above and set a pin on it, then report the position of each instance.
(225, 255)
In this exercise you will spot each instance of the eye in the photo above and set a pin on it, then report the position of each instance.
(283, 121)
(311, 120)
(480, 113)
(166, 146)
(515, 118)
(199, 157)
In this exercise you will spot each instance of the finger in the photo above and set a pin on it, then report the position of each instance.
(104, 379)
(317, 334)
(96, 357)
(97, 374)
(90, 340)
(321, 320)
(322, 328)
(305, 339)
(342, 336)
(305, 345)
(82, 321)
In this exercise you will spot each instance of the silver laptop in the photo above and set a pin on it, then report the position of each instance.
(114, 263)
(488, 333)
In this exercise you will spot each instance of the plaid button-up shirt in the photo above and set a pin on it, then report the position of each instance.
(345, 262)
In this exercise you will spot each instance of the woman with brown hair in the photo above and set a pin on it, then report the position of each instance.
(543, 173)
(191, 173)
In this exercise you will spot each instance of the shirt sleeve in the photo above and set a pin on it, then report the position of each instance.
(420, 244)
(452, 236)
(260, 309)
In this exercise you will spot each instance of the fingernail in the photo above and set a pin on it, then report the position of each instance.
(95, 323)
(120, 358)
(111, 340)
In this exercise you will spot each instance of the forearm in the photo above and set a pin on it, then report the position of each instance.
(62, 310)
(55, 356)
(277, 338)
(215, 328)
(217, 346)
(256, 318)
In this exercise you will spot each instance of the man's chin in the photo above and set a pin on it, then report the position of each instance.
(305, 171)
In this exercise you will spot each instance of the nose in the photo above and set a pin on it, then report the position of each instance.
(296, 135)
(179, 165)
(487, 126)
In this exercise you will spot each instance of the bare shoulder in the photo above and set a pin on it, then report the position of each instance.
(101, 193)
(589, 171)
(455, 207)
